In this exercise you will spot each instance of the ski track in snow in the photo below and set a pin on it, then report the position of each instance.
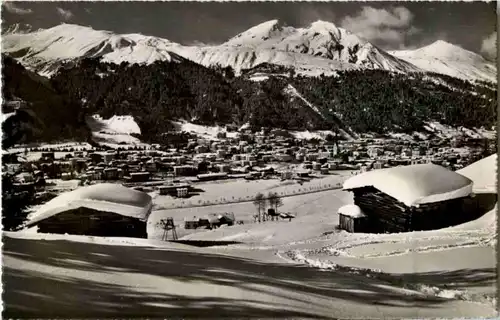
(300, 256)
(460, 239)
(292, 91)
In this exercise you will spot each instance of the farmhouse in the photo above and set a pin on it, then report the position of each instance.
(108, 210)
(191, 223)
(410, 198)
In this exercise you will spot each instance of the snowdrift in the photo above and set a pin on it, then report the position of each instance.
(483, 173)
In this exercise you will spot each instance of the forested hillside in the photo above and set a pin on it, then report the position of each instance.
(363, 101)
(164, 91)
(379, 101)
(46, 114)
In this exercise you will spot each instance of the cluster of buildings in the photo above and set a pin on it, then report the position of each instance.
(273, 154)
(367, 154)
(249, 157)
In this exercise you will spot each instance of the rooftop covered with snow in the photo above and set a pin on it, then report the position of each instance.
(415, 184)
(351, 210)
(106, 197)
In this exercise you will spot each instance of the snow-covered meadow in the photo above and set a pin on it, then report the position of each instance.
(294, 202)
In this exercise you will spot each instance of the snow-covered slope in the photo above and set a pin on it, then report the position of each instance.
(50, 279)
(114, 131)
(240, 58)
(446, 58)
(117, 124)
(321, 44)
(44, 51)
(295, 94)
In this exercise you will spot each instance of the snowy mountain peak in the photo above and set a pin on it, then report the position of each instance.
(319, 48)
(321, 25)
(271, 25)
(447, 58)
(46, 50)
(441, 44)
(327, 48)
(257, 34)
(445, 49)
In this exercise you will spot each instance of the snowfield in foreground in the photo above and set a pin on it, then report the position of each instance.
(302, 268)
(53, 278)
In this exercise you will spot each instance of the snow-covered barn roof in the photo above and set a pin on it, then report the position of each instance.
(483, 174)
(415, 184)
(351, 210)
(107, 197)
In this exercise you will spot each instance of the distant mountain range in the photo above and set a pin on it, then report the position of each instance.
(320, 48)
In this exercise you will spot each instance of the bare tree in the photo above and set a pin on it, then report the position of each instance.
(275, 201)
(260, 203)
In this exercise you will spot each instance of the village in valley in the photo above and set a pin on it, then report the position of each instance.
(230, 155)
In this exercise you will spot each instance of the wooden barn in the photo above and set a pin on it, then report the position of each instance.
(411, 198)
(107, 210)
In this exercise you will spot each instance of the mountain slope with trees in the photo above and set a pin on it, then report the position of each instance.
(45, 114)
(380, 101)
(156, 94)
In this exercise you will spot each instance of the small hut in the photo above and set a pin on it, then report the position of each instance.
(352, 219)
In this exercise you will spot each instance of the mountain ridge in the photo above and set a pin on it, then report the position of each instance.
(319, 48)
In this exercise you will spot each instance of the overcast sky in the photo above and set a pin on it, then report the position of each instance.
(390, 25)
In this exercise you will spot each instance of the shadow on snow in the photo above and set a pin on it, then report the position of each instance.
(56, 295)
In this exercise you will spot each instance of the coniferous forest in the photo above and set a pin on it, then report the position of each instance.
(360, 101)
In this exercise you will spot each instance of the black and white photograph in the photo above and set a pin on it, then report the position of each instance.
(249, 159)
